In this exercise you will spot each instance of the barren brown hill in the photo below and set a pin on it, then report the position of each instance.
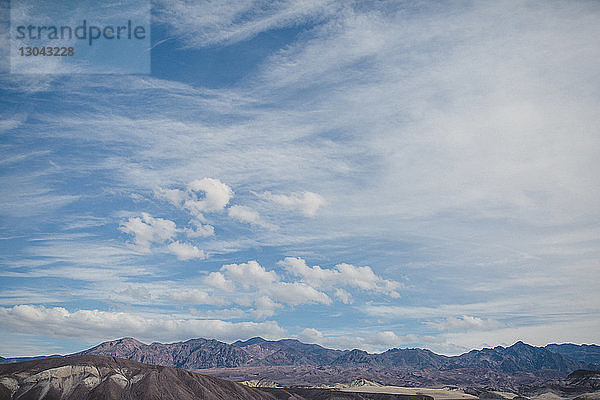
(108, 378)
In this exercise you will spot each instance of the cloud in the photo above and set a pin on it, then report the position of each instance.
(33, 197)
(201, 196)
(195, 296)
(248, 215)
(466, 323)
(93, 325)
(435, 135)
(206, 23)
(296, 293)
(218, 280)
(538, 333)
(147, 230)
(363, 340)
(174, 196)
(343, 296)
(216, 195)
(307, 202)
(265, 307)
(250, 274)
(199, 230)
(185, 251)
(343, 274)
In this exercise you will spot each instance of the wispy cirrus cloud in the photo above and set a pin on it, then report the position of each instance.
(206, 23)
(308, 202)
(248, 215)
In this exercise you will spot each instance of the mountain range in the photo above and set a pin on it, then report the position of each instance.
(208, 353)
(291, 362)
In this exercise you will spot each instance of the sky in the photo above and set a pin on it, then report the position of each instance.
(369, 174)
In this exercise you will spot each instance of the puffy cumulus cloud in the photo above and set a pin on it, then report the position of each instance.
(147, 230)
(250, 274)
(362, 278)
(253, 276)
(185, 251)
(94, 325)
(201, 196)
(296, 293)
(218, 280)
(307, 202)
(467, 323)
(214, 195)
(249, 216)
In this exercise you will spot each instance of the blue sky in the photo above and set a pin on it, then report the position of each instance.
(354, 174)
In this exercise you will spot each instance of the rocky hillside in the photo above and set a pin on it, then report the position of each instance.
(107, 378)
(286, 352)
(191, 354)
(589, 380)
(519, 357)
(588, 353)
(406, 359)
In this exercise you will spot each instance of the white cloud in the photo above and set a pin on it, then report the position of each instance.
(343, 296)
(363, 340)
(343, 274)
(199, 230)
(195, 296)
(93, 325)
(248, 215)
(250, 274)
(214, 195)
(205, 23)
(307, 202)
(201, 196)
(297, 293)
(33, 197)
(576, 329)
(310, 335)
(174, 196)
(466, 323)
(148, 230)
(450, 130)
(185, 251)
(218, 280)
(265, 307)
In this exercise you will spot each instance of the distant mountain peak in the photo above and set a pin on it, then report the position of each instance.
(129, 340)
(249, 342)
